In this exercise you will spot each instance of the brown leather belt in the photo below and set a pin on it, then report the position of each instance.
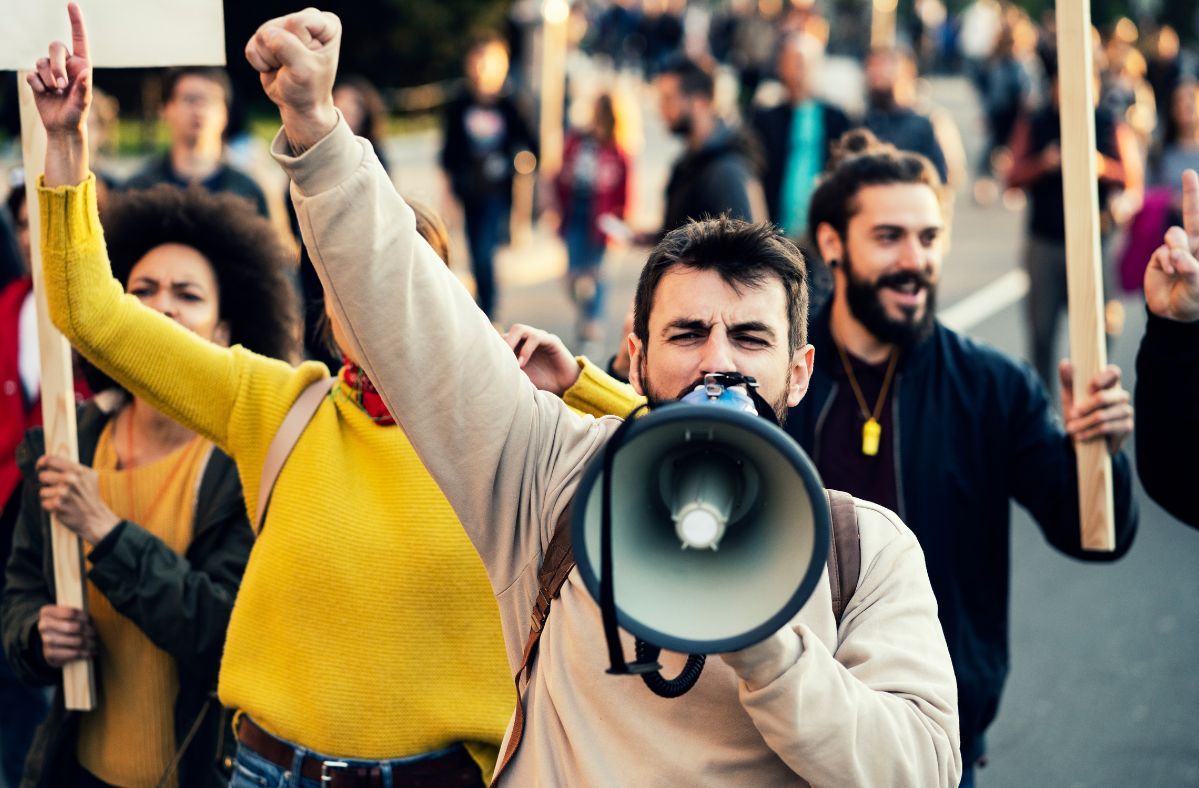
(454, 769)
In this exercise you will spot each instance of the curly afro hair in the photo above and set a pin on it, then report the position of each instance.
(258, 301)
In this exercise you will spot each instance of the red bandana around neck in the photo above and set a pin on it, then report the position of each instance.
(360, 389)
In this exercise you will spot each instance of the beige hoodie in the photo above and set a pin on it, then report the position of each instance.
(872, 703)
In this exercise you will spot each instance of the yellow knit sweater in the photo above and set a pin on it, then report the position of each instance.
(365, 626)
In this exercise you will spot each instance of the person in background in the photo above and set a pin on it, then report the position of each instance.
(593, 183)
(196, 112)
(890, 90)
(483, 132)
(1180, 145)
(1037, 168)
(160, 511)
(797, 136)
(1167, 392)
(24, 706)
(714, 176)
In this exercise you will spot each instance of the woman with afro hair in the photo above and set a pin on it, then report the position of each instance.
(159, 508)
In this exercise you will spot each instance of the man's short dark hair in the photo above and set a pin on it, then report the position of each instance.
(860, 160)
(173, 76)
(744, 254)
(257, 299)
(694, 80)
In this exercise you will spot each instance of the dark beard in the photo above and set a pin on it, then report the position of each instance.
(881, 99)
(867, 308)
(682, 127)
(653, 400)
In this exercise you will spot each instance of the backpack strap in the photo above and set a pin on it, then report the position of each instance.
(844, 551)
(297, 418)
(556, 565)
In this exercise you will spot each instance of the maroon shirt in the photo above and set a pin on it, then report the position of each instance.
(839, 457)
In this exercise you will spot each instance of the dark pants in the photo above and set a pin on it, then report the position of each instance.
(484, 228)
(1045, 261)
(22, 708)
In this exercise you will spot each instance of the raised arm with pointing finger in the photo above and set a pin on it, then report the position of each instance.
(1167, 395)
(871, 702)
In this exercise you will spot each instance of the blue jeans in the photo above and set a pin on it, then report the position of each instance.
(251, 770)
(484, 218)
(584, 255)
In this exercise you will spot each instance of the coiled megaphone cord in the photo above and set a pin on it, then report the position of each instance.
(662, 686)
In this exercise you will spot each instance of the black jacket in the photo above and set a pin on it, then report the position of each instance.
(907, 130)
(975, 430)
(711, 181)
(773, 127)
(1167, 405)
(181, 602)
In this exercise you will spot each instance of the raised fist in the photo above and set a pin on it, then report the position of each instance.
(296, 58)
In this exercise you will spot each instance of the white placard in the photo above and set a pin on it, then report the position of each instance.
(121, 33)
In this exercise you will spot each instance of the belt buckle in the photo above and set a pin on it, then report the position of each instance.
(326, 776)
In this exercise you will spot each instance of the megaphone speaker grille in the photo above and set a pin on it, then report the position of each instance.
(760, 569)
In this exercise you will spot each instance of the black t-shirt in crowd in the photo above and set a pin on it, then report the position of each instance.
(1047, 211)
(841, 463)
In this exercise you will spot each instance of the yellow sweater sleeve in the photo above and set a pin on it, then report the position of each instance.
(596, 393)
(232, 396)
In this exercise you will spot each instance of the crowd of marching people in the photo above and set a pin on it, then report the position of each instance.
(321, 497)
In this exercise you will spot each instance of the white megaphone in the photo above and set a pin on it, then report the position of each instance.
(717, 529)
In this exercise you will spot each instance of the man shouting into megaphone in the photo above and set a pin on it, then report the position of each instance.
(869, 702)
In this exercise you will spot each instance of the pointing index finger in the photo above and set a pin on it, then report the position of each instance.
(78, 32)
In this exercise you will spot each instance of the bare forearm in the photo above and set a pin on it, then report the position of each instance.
(66, 158)
(306, 128)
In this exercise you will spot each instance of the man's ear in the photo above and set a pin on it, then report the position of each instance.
(801, 374)
(828, 241)
(636, 355)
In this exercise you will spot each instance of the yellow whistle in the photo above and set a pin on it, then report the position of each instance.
(871, 431)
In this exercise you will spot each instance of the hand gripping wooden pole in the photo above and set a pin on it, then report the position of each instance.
(1076, 89)
(58, 405)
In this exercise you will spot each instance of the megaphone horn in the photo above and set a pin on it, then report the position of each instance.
(717, 531)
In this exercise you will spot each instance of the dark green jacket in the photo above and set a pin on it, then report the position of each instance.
(182, 603)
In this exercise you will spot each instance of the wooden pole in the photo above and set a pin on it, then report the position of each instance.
(555, 13)
(58, 405)
(882, 23)
(1076, 90)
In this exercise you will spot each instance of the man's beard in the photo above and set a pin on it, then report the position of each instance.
(682, 126)
(655, 399)
(881, 99)
(867, 307)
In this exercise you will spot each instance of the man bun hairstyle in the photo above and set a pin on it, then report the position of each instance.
(858, 160)
(745, 255)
